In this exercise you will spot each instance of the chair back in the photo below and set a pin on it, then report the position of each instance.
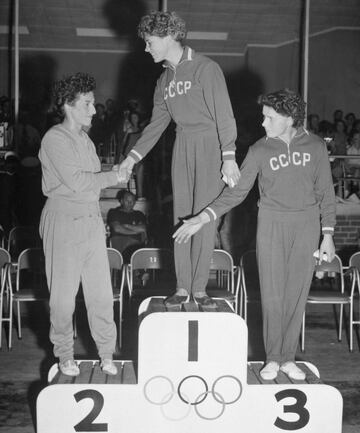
(160, 261)
(116, 260)
(117, 274)
(21, 238)
(330, 276)
(4, 257)
(31, 269)
(152, 258)
(4, 260)
(221, 260)
(354, 260)
(328, 267)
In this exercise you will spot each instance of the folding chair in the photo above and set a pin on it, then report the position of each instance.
(354, 263)
(118, 279)
(332, 289)
(249, 282)
(21, 238)
(5, 262)
(30, 284)
(225, 288)
(160, 262)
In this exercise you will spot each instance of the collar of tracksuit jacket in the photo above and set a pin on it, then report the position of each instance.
(187, 56)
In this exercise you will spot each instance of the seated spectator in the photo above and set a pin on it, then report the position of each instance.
(313, 123)
(337, 115)
(5, 110)
(25, 135)
(97, 132)
(353, 165)
(326, 130)
(127, 226)
(349, 120)
(340, 138)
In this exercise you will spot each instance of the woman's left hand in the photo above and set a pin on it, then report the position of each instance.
(231, 172)
(327, 247)
(188, 229)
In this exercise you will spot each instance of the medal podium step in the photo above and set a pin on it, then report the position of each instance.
(192, 375)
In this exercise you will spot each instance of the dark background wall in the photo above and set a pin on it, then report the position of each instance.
(334, 71)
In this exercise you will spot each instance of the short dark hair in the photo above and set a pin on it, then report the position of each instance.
(162, 24)
(68, 89)
(286, 102)
(124, 192)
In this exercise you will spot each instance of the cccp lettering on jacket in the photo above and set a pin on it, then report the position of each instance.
(178, 88)
(295, 158)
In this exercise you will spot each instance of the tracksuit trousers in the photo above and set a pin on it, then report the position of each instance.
(285, 246)
(75, 251)
(196, 181)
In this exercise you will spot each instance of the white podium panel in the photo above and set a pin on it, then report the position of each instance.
(158, 407)
(192, 377)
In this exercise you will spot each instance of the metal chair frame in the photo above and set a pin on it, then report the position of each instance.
(30, 259)
(117, 269)
(337, 296)
(223, 264)
(245, 297)
(5, 312)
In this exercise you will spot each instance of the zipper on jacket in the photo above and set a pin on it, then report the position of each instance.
(174, 68)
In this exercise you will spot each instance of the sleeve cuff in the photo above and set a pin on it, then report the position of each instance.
(228, 155)
(135, 155)
(327, 230)
(211, 214)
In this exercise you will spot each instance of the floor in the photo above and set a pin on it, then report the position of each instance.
(23, 370)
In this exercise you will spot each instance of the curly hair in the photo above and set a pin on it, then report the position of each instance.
(286, 102)
(162, 24)
(68, 89)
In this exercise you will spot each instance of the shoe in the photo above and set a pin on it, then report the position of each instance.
(69, 368)
(270, 371)
(108, 367)
(205, 301)
(180, 296)
(292, 371)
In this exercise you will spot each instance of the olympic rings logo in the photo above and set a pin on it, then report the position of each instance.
(192, 391)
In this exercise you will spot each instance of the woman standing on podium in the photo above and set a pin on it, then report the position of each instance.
(72, 228)
(192, 92)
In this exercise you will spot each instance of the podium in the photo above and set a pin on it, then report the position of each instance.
(192, 376)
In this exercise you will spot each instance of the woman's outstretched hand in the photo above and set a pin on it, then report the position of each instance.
(190, 227)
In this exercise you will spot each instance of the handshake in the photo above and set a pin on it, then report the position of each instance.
(124, 169)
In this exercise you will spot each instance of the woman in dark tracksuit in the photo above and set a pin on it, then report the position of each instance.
(191, 91)
(296, 195)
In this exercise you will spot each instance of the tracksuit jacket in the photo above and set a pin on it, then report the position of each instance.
(195, 96)
(296, 192)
